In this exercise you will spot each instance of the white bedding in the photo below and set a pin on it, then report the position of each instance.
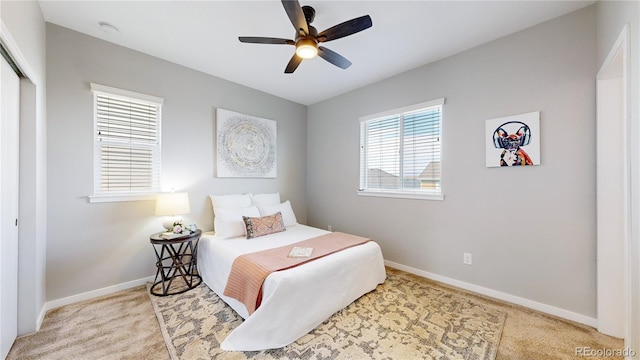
(294, 301)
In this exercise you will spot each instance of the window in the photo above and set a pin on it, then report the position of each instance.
(126, 145)
(400, 152)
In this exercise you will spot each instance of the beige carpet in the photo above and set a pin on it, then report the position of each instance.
(404, 318)
(116, 326)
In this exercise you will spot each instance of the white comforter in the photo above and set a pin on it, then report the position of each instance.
(296, 300)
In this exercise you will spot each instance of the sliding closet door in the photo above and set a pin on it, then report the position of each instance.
(9, 127)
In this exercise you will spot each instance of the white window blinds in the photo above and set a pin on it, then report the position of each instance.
(127, 142)
(400, 150)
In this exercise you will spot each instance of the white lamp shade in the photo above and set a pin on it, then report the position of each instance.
(172, 204)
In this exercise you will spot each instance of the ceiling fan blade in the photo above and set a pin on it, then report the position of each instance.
(293, 64)
(296, 15)
(345, 29)
(265, 40)
(333, 57)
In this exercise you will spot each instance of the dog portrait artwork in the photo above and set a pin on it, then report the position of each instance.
(513, 140)
(511, 144)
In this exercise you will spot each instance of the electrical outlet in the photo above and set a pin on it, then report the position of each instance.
(466, 258)
(329, 228)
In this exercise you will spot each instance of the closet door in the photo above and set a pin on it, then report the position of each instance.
(9, 127)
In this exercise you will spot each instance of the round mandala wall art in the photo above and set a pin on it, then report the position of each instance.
(246, 145)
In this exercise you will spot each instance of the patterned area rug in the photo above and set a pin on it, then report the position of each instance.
(407, 317)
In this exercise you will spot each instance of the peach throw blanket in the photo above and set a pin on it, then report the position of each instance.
(249, 271)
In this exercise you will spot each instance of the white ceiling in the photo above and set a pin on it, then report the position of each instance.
(203, 35)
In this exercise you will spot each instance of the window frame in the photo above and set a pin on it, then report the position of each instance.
(100, 196)
(401, 193)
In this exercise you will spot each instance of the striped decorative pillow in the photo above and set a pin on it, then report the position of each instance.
(260, 226)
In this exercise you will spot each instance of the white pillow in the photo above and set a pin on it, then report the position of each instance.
(230, 201)
(265, 199)
(288, 217)
(228, 222)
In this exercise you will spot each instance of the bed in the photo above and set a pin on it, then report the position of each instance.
(296, 300)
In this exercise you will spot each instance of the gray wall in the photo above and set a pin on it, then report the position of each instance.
(92, 246)
(612, 16)
(531, 230)
(25, 25)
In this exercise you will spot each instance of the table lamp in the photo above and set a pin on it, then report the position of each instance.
(172, 205)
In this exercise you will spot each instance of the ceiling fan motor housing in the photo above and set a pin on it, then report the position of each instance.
(308, 40)
(309, 13)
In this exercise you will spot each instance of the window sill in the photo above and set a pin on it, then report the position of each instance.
(120, 197)
(402, 195)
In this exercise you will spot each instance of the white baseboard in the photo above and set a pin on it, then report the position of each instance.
(90, 295)
(548, 309)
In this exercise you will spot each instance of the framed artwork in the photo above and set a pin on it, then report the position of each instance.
(246, 145)
(513, 140)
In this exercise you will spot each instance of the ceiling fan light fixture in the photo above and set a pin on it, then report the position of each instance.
(306, 48)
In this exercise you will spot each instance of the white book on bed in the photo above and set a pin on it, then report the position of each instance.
(300, 252)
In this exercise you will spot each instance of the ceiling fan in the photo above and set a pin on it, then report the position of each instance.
(307, 37)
